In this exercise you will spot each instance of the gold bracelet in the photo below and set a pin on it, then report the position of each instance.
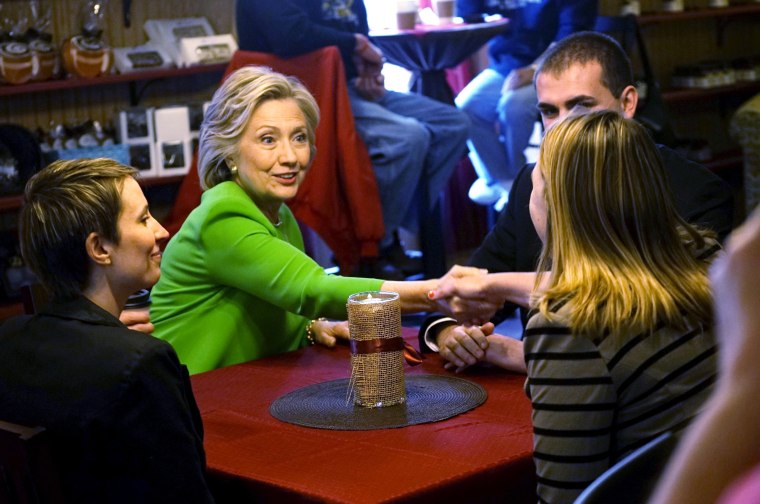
(310, 330)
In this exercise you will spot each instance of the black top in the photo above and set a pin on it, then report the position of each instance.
(701, 198)
(117, 404)
(292, 27)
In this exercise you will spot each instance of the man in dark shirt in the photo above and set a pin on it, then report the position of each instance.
(585, 71)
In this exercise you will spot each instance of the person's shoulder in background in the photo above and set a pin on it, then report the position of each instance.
(702, 197)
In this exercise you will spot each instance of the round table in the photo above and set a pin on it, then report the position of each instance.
(428, 50)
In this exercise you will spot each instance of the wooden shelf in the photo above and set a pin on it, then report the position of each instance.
(74, 82)
(13, 202)
(160, 181)
(10, 309)
(692, 94)
(650, 18)
(10, 202)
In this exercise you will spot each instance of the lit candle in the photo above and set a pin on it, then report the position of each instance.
(377, 357)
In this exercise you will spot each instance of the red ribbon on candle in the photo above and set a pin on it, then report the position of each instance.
(377, 345)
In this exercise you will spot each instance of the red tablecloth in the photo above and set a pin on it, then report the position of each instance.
(483, 455)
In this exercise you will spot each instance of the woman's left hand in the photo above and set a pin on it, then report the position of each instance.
(327, 332)
(137, 320)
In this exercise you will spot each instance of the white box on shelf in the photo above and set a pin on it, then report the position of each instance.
(143, 57)
(207, 50)
(135, 129)
(172, 144)
(168, 32)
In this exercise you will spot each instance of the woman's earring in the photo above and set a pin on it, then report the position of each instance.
(233, 170)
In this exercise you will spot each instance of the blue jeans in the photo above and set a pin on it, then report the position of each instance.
(497, 154)
(409, 136)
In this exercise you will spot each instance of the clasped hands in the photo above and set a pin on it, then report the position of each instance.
(517, 78)
(461, 294)
(368, 60)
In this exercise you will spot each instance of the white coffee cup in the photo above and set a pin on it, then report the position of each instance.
(406, 14)
(445, 10)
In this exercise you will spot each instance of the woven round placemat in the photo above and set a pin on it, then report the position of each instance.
(429, 398)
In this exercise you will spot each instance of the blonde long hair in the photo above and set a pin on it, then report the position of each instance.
(616, 248)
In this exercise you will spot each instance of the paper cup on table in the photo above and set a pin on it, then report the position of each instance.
(377, 349)
(445, 10)
(406, 14)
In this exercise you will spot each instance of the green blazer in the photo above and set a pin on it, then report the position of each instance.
(235, 288)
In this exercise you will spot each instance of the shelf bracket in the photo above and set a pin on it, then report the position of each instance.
(126, 10)
(720, 27)
(136, 92)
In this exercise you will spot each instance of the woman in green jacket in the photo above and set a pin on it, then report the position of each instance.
(236, 284)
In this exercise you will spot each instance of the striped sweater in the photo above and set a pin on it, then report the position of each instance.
(594, 401)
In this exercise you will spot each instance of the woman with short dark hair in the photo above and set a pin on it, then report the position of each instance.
(116, 403)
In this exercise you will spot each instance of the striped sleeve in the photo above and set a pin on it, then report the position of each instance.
(574, 400)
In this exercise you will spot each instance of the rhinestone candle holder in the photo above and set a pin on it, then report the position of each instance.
(377, 357)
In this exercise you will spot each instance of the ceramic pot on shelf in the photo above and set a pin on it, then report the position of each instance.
(47, 60)
(87, 54)
(85, 57)
(17, 66)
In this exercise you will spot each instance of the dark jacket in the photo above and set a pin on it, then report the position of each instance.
(291, 27)
(533, 26)
(701, 198)
(117, 404)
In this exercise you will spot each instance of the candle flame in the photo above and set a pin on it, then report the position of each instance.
(369, 296)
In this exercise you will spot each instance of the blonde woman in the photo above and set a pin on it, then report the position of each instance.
(620, 346)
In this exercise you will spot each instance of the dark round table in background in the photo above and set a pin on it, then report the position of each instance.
(428, 50)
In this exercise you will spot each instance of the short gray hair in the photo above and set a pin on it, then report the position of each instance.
(231, 109)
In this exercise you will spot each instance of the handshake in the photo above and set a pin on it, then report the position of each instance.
(472, 295)
(463, 294)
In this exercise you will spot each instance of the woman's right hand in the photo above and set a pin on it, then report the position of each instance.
(463, 294)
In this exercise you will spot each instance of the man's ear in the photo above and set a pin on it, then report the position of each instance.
(629, 100)
(98, 249)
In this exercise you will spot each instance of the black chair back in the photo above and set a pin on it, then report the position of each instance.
(632, 479)
(33, 296)
(27, 471)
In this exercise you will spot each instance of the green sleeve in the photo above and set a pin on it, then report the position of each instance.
(242, 253)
